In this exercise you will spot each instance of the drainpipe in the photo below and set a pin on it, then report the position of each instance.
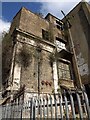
(74, 59)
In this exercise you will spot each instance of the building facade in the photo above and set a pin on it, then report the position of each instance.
(41, 58)
(80, 21)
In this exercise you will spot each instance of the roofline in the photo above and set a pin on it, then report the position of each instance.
(79, 4)
(30, 12)
(17, 13)
(52, 16)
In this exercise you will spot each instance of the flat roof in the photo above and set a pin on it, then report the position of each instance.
(52, 16)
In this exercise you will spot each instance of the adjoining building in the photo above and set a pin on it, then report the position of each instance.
(80, 20)
(39, 57)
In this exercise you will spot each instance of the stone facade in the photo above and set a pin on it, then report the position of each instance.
(42, 60)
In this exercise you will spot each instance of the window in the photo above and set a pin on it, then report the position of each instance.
(59, 25)
(60, 45)
(64, 70)
(45, 35)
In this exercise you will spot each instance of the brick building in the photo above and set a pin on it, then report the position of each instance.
(41, 59)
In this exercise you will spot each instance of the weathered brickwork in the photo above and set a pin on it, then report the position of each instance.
(55, 31)
(32, 23)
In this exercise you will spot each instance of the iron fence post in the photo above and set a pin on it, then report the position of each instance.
(72, 105)
(43, 108)
(55, 101)
(51, 107)
(66, 105)
(87, 104)
(79, 106)
(47, 107)
(61, 108)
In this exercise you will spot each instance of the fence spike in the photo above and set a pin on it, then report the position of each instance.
(61, 107)
(66, 105)
(51, 107)
(87, 104)
(39, 107)
(79, 105)
(55, 101)
(44, 108)
(72, 104)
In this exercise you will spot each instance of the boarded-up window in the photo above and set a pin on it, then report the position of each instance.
(64, 70)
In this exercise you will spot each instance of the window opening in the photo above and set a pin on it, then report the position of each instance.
(60, 45)
(64, 70)
(45, 35)
(59, 25)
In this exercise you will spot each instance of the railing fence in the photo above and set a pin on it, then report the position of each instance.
(68, 105)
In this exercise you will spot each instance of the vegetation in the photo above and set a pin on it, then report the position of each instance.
(24, 57)
(7, 49)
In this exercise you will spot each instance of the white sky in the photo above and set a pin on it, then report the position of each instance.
(4, 26)
(55, 6)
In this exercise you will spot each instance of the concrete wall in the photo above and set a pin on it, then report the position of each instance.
(78, 31)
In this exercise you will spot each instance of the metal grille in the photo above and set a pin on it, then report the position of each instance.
(68, 105)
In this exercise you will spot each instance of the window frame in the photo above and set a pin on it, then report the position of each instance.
(62, 45)
(59, 25)
(63, 70)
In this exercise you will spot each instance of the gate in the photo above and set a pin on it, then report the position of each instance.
(71, 104)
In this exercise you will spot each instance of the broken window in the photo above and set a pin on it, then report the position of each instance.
(64, 70)
(59, 25)
(60, 45)
(45, 34)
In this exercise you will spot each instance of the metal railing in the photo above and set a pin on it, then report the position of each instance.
(68, 105)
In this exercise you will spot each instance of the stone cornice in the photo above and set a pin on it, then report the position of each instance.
(36, 38)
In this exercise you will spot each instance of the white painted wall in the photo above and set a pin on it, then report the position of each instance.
(55, 76)
(16, 78)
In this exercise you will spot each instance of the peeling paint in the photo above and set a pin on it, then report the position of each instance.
(34, 43)
(16, 79)
(83, 66)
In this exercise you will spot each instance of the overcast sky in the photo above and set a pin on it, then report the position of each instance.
(44, 6)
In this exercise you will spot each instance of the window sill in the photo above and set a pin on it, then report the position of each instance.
(65, 82)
